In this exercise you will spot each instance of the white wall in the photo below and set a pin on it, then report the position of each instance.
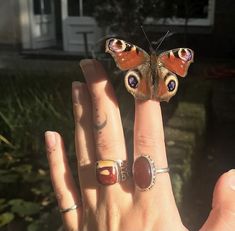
(9, 22)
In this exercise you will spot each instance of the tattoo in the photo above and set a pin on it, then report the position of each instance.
(100, 125)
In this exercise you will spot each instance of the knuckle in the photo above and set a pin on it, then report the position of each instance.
(84, 161)
(148, 141)
(105, 145)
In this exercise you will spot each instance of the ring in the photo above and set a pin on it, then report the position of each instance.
(109, 172)
(73, 207)
(145, 172)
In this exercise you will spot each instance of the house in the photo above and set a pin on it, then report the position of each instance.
(68, 25)
(38, 24)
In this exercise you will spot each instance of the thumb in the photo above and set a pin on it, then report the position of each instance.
(222, 215)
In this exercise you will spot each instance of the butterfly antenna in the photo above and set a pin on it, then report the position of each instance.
(163, 38)
(150, 45)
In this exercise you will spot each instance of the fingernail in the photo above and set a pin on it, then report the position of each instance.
(92, 70)
(75, 91)
(88, 69)
(50, 139)
(232, 179)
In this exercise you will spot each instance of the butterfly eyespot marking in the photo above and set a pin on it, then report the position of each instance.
(185, 54)
(132, 79)
(171, 85)
(116, 45)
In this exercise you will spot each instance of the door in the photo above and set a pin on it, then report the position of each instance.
(42, 23)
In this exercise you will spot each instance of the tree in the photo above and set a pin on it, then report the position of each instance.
(125, 16)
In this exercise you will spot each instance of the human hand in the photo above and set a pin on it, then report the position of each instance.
(99, 136)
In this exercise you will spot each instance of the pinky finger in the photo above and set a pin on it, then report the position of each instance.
(63, 183)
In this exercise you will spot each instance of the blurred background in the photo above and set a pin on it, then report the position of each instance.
(41, 43)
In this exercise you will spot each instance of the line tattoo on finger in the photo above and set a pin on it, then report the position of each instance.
(100, 125)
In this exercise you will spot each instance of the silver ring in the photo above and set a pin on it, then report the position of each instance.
(109, 172)
(162, 170)
(73, 207)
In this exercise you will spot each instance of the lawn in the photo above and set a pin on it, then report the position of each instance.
(30, 105)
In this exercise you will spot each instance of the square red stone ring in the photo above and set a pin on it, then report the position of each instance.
(145, 172)
(109, 172)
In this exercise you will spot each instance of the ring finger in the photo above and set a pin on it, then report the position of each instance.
(107, 126)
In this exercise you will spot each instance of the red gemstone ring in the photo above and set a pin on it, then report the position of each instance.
(145, 172)
(109, 172)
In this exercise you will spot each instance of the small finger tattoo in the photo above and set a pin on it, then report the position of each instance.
(100, 125)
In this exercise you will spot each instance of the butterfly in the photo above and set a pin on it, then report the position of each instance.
(150, 76)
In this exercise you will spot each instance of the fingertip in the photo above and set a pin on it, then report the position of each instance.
(224, 192)
(93, 71)
(50, 139)
(78, 91)
(85, 62)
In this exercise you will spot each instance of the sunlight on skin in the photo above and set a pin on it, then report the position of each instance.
(121, 207)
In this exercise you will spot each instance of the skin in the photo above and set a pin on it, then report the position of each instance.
(99, 135)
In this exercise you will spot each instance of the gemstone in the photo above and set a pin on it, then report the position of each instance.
(143, 172)
(106, 172)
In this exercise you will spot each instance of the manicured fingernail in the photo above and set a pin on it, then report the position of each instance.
(50, 139)
(232, 179)
(75, 91)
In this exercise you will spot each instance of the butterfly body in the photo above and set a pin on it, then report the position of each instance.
(150, 76)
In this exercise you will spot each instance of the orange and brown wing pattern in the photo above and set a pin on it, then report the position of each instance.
(139, 82)
(177, 60)
(126, 55)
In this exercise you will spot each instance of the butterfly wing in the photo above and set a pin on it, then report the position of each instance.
(130, 57)
(177, 60)
(138, 82)
(126, 55)
(167, 84)
(169, 64)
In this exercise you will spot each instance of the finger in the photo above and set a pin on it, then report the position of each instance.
(107, 124)
(148, 131)
(222, 215)
(63, 183)
(149, 140)
(84, 141)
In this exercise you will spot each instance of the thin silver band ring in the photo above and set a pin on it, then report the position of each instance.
(162, 170)
(73, 207)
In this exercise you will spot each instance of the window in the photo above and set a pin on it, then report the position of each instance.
(192, 13)
(80, 7)
(41, 7)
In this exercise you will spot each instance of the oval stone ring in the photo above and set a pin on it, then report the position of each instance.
(145, 172)
(109, 172)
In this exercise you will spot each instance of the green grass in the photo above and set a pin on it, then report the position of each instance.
(30, 104)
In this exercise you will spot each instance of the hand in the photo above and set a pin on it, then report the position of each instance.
(99, 136)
